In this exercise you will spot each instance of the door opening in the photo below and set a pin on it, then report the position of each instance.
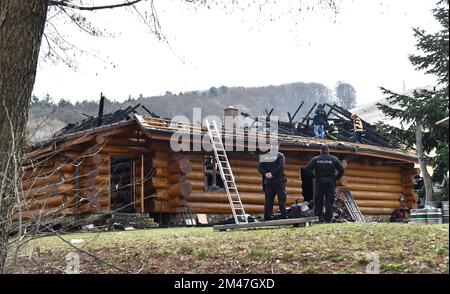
(121, 185)
(307, 185)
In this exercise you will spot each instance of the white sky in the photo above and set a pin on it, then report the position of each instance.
(366, 44)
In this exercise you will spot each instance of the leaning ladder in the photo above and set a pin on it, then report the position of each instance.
(353, 208)
(226, 173)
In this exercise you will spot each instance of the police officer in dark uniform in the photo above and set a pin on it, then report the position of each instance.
(271, 167)
(325, 167)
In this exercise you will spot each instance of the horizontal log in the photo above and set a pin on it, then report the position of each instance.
(247, 179)
(31, 165)
(197, 168)
(378, 203)
(195, 176)
(289, 158)
(51, 201)
(254, 172)
(372, 174)
(163, 206)
(88, 182)
(197, 185)
(255, 164)
(365, 180)
(373, 187)
(92, 192)
(259, 188)
(251, 179)
(48, 170)
(64, 189)
(370, 195)
(376, 210)
(382, 168)
(87, 159)
(123, 150)
(127, 142)
(45, 181)
(39, 213)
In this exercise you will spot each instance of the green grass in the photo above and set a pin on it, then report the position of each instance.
(333, 248)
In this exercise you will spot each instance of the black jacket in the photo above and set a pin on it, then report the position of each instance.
(325, 166)
(275, 167)
(320, 117)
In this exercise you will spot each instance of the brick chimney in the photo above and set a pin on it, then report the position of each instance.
(230, 117)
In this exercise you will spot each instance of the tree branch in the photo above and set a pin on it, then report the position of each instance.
(92, 8)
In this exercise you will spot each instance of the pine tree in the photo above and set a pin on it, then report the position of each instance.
(424, 108)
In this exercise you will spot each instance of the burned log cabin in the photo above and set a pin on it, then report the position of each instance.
(123, 162)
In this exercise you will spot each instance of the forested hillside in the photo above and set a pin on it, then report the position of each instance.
(46, 116)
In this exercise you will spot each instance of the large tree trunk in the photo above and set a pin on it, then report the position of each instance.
(423, 166)
(21, 28)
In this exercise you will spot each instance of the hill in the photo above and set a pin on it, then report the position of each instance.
(46, 116)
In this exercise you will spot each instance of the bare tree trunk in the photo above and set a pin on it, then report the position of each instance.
(423, 166)
(21, 28)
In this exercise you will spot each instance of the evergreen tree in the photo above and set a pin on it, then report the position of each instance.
(424, 108)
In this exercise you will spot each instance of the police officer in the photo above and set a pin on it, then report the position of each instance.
(271, 167)
(325, 167)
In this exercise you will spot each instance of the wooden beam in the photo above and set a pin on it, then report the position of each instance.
(273, 223)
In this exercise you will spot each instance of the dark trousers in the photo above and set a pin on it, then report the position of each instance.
(324, 189)
(358, 137)
(270, 191)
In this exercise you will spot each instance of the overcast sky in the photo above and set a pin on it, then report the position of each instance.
(366, 44)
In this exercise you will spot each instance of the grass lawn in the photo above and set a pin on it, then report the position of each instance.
(331, 248)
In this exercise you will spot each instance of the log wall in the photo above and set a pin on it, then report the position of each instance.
(377, 187)
(77, 179)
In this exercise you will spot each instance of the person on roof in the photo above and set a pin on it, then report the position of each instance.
(319, 121)
(332, 131)
(327, 169)
(358, 128)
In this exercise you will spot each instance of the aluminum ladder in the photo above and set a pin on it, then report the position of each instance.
(226, 173)
(352, 207)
